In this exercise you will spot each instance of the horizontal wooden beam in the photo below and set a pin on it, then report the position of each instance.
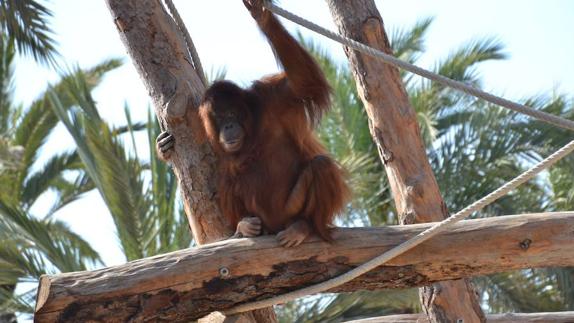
(191, 283)
(550, 317)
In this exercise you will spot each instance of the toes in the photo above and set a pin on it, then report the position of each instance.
(298, 242)
(283, 242)
(295, 242)
(281, 238)
(288, 241)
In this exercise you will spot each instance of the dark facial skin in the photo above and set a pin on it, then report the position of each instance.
(231, 133)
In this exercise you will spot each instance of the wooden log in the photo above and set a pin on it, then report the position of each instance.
(395, 130)
(159, 53)
(188, 284)
(549, 317)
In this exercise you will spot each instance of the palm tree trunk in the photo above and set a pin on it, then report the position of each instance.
(159, 54)
(395, 130)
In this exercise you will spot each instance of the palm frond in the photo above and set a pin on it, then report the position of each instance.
(122, 189)
(51, 239)
(215, 74)
(350, 306)
(33, 129)
(460, 65)
(142, 226)
(486, 151)
(69, 191)
(408, 44)
(16, 303)
(519, 291)
(45, 178)
(106, 164)
(18, 264)
(26, 22)
(565, 283)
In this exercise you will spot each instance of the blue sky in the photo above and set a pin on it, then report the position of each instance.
(538, 37)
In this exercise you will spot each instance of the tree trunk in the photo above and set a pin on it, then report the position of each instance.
(187, 284)
(159, 53)
(394, 128)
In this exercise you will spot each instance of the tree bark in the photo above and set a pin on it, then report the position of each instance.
(549, 317)
(395, 130)
(158, 51)
(188, 284)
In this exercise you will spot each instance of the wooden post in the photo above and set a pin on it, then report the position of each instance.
(158, 51)
(394, 128)
(187, 284)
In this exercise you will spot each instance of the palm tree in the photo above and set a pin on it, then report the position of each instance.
(467, 139)
(34, 244)
(141, 195)
(24, 23)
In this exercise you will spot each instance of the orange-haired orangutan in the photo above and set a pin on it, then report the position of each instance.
(274, 175)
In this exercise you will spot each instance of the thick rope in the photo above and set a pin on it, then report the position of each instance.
(188, 41)
(389, 59)
(411, 243)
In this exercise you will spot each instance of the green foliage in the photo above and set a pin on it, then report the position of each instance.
(145, 216)
(25, 23)
(473, 148)
(38, 241)
(472, 144)
(32, 245)
(350, 306)
(520, 291)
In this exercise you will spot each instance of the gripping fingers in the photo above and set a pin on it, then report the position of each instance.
(165, 141)
(247, 4)
(252, 220)
(162, 135)
(167, 146)
(255, 7)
